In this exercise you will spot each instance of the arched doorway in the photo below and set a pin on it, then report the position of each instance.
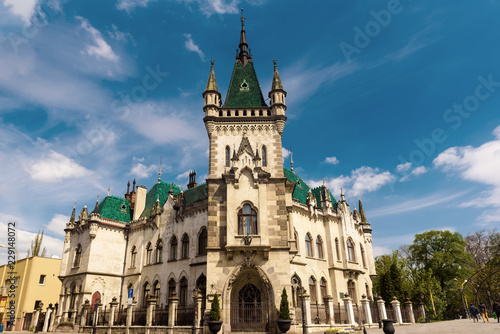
(95, 297)
(250, 300)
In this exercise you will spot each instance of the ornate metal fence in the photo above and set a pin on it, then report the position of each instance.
(121, 316)
(103, 318)
(318, 313)
(139, 317)
(340, 314)
(185, 316)
(249, 317)
(160, 316)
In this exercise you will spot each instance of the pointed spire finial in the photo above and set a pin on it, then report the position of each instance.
(324, 182)
(96, 209)
(159, 173)
(342, 197)
(109, 188)
(72, 219)
(276, 79)
(171, 191)
(291, 160)
(212, 83)
(243, 54)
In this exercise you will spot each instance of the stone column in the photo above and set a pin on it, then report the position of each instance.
(397, 310)
(197, 304)
(37, 315)
(328, 300)
(365, 306)
(97, 306)
(307, 305)
(85, 312)
(422, 309)
(349, 310)
(381, 308)
(47, 318)
(409, 308)
(173, 301)
(52, 319)
(112, 311)
(130, 309)
(151, 304)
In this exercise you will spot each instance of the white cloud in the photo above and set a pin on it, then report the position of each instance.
(478, 164)
(23, 8)
(362, 180)
(130, 5)
(191, 46)
(210, 7)
(415, 204)
(141, 171)
(99, 48)
(285, 153)
(55, 167)
(332, 160)
(417, 171)
(119, 35)
(58, 224)
(403, 167)
(184, 175)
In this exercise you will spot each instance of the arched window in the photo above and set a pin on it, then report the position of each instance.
(351, 289)
(264, 156)
(173, 248)
(350, 250)
(247, 220)
(319, 247)
(133, 254)
(322, 288)
(145, 293)
(309, 251)
(201, 285)
(78, 256)
(183, 295)
(171, 287)
(149, 253)
(73, 297)
(156, 292)
(295, 241)
(296, 293)
(185, 246)
(228, 156)
(159, 251)
(312, 290)
(363, 256)
(202, 242)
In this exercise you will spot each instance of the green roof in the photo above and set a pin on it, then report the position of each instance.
(115, 208)
(244, 89)
(159, 191)
(302, 189)
(196, 194)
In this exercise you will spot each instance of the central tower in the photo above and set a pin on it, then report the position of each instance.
(248, 232)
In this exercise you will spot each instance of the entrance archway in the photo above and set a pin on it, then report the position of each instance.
(250, 300)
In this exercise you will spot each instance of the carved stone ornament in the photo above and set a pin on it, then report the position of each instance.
(247, 239)
(92, 230)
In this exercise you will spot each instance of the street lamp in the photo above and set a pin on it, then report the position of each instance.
(463, 299)
(302, 292)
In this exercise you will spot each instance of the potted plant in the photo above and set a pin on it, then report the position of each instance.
(214, 323)
(284, 320)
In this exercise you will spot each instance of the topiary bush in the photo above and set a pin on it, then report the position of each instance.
(215, 309)
(284, 310)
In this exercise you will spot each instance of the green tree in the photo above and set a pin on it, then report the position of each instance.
(284, 310)
(36, 246)
(215, 309)
(391, 280)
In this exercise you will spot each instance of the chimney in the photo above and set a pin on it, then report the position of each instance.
(139, 201)
(192, 180)
(127, 195)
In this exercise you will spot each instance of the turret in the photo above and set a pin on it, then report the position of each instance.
(211, 95)
(277, 94)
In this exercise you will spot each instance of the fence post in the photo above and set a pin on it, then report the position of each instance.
(381, 308)
(197, 302)
(38, 310)
(396, 306)
(307, 305)
(349, 310)
(85, 311)
(112, 310)
(409, 308)
(130, 310)
(151, 303)
(173, 301)
(365, 305)
(52, 319)
(422, 309)
(47, 317)
(329, 309)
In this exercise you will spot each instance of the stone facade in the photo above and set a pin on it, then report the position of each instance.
(251, 230)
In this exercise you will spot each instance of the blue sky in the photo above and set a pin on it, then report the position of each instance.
(396, 101)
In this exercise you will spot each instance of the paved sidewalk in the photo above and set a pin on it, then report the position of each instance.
(463, 326)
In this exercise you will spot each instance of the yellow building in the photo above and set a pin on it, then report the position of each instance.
(35, 280)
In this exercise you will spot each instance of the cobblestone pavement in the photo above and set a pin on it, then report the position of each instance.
(453, 326)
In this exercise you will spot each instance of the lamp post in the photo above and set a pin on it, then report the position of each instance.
(463, 300)
(302, 291)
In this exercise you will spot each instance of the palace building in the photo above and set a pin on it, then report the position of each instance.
(252, 229)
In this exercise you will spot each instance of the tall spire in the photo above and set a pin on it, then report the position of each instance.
(212, 83)
(159, 173)
(276, 78)
(243, 55)
(291, 159)
(96, 209)
(362, 212)
(72, 219)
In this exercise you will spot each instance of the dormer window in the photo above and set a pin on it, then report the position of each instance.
(123, 208)
(244, 85)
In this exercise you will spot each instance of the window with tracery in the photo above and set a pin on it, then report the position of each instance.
(133, 254)
(185, 246)
(319, 247)
(171, 288)
(350, 250)
(183, 292)
(78, 256)
(156, 292)
(322, 288)
(145, 293)
(312, 290)
(351, 289)
(202, 242)
(309, 251)
(149, 253)
(247, 220)
(159, 251)
(173, 248)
